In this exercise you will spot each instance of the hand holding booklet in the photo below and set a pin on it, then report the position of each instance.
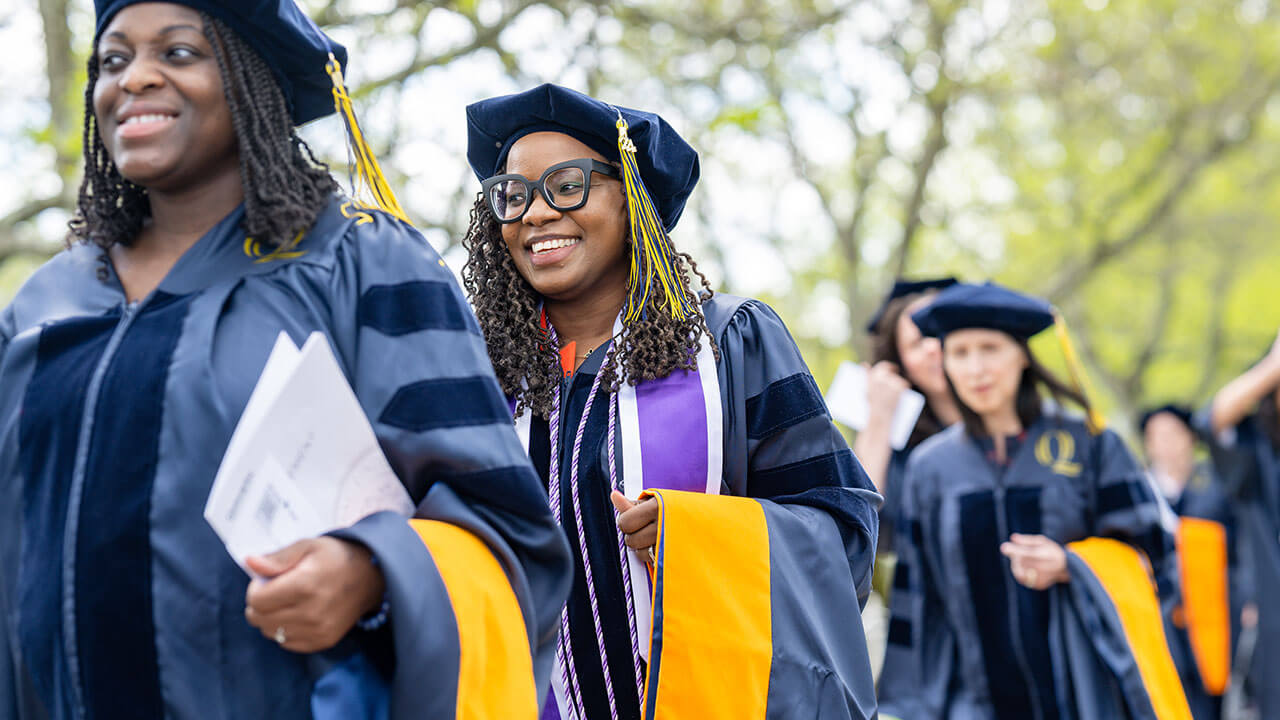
(303, 459)
(847, 400)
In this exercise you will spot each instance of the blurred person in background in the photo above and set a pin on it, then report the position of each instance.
(902, 358)
(1023, 588)
(1242, 427)
(1205, 623)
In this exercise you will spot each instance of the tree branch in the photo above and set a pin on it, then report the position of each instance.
(935, 142)
(1217, 325)
(1106, 250)
(486, 36)
(1132, 383)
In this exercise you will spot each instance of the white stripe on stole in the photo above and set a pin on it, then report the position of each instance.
(715, 419)
(632, 486)
(633, 483)
(559, 693)
(633, 479)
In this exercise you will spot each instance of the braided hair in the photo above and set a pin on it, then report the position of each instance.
(285, 187)
(527, 365)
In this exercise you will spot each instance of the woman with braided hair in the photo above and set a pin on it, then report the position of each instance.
(722, 531)
(204, 229)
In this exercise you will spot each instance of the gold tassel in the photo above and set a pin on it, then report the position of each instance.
(366, 173)
(651, 249)
(1079, 378)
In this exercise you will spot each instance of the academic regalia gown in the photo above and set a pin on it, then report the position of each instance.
(895, 475)
(890, 515)
(1205, 498)
(817, 537)
(965, 640)
(1205, 623)
(1248, 465)
(117, 598)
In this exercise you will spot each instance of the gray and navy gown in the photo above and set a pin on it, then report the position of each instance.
(117, 598)
(1203, 498)
(895, 475)
(1248, 464)
(1206, 497)
(779, 446)
(965, 640)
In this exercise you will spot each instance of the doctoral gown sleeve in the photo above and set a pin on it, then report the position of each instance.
(1110, 614)
(1234, 458)
(8, 667)
(797, 551)
(476, 580)
(780, 442)
(17, 697)
(920, 648)
(1246, 464)
(1232, 451)
(1126, 508)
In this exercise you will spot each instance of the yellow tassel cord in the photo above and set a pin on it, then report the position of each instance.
(1078, 377)
(651, 248)
(364, 166)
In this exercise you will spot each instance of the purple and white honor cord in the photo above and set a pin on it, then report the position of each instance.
(616, 483)
(564, 651)
(553, 491)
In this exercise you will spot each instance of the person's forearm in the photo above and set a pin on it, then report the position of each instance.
(873, 451)
(1240, 396)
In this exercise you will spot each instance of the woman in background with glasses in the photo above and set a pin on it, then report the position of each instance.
(647, 405)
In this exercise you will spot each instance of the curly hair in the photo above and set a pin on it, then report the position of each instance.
(527, 365)
(285, 187)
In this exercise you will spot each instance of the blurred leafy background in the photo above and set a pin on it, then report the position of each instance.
(1120, 158)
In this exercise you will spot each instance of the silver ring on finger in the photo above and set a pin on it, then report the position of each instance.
(280, 637)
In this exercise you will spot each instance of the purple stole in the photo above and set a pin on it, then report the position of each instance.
(670, 436)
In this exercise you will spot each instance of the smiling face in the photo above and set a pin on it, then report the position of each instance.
(159, 100)
(985, 367)
(921, 356)
(575, 254)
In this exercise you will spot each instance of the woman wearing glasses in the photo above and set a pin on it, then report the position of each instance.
(204, 229)
(722, 530)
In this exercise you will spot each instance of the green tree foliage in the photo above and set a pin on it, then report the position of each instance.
(1114, 157)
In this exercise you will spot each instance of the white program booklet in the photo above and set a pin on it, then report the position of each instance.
(847, 400)
(303, 459)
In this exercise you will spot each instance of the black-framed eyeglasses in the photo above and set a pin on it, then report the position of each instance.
(564, 186)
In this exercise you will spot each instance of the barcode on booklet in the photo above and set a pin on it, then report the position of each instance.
(268, 507)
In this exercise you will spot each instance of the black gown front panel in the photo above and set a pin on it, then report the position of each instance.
(1013, 620)
(48, 434)
(600, 531)
(114, 616)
